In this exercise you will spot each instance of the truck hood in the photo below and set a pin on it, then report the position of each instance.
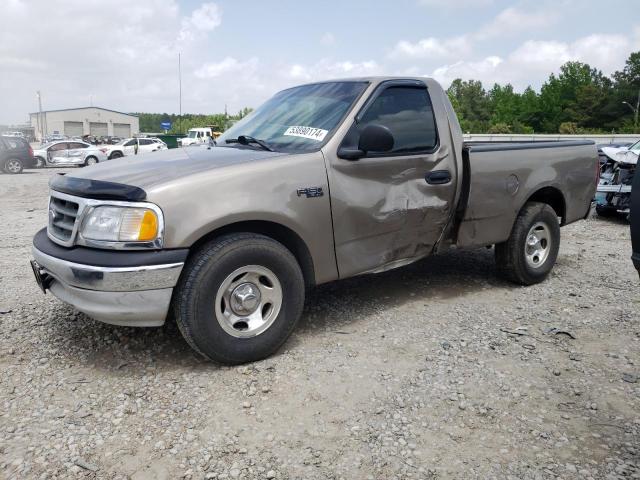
(157, 168)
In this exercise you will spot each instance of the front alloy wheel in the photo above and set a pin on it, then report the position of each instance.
(239, 298)
(248, 301)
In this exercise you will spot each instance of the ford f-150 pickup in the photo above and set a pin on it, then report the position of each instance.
(322, 182)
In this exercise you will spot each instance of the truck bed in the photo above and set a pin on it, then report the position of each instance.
(503, 176)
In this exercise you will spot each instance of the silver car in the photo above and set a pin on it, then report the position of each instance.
(66, 153)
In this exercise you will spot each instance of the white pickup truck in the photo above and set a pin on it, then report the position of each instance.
(196, 136)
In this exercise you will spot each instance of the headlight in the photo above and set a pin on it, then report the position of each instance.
(121, 224)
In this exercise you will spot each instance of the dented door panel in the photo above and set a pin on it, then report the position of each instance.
(385, 213)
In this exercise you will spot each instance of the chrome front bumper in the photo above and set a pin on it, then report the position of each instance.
(128, 296)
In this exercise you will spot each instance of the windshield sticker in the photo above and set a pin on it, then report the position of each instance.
(311, 133)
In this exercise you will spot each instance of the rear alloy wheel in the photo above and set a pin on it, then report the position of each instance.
(116, 155)
(90, 161)
(13, 166)
(239, 298)
(530, 253)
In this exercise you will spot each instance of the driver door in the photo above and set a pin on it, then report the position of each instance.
(391, 208)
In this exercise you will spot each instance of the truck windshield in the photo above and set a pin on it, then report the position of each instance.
(297, 119)
(193, 134)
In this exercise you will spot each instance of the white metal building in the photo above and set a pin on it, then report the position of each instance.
(76, 122)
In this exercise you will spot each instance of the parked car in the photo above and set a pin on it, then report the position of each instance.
(13, 134)
(634, 220)
(611, 148)
(613, 196)
(162, 144)
(323, 182)
(132, 146)
(68, 153)
(15, 155)
(53, 138)
(196, 136)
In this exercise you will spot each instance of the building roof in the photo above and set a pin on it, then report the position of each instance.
(85, 108)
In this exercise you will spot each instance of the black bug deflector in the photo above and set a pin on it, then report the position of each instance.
(97, 189)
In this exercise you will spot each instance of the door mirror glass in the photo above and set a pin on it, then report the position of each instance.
(375, 138)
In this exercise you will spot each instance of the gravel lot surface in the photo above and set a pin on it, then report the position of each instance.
(436, 370)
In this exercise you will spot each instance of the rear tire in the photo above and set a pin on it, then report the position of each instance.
(13, 166)
(116, 155)
(90, 161)
(40, 163)
(239, 298)
(529, 254)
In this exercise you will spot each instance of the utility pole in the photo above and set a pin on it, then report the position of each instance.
(40, 120)
(180, 95)
(635, 110)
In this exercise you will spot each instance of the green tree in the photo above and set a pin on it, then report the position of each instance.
(626, 89)
(473, 104)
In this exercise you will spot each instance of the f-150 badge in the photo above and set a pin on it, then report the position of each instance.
(310, 192)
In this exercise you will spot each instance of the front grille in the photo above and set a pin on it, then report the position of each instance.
(62, 218)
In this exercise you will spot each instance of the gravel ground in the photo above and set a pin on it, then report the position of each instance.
(436, 370)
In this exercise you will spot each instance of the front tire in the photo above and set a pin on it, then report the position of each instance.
(116, 155)
(13, 166)
(40, 162)
(239, 298)
(530, 253)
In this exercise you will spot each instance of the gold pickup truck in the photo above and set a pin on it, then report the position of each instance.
(324, 181)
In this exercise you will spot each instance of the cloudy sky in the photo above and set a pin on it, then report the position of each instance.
(123, 54)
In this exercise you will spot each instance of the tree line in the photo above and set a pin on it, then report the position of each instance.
(151, 122)
(579, 99)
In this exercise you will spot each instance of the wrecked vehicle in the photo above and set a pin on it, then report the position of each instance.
(617, 171)
(322, 182)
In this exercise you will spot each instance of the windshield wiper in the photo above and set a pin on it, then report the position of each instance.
(246, 140)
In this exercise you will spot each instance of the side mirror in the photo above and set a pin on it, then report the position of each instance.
(374, 138)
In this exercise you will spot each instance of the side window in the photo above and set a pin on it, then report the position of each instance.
(407, 112)
(130, 143)
(77, 145)
(57, 147)
(208, 134)
(145, 141)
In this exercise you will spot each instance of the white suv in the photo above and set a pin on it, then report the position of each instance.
(133, 146)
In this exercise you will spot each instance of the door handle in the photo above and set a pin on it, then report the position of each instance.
(438, 177)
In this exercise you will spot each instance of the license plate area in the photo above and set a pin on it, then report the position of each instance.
(42, 279)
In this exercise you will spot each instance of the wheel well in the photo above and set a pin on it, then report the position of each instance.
(287, 237)
(552, 197)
